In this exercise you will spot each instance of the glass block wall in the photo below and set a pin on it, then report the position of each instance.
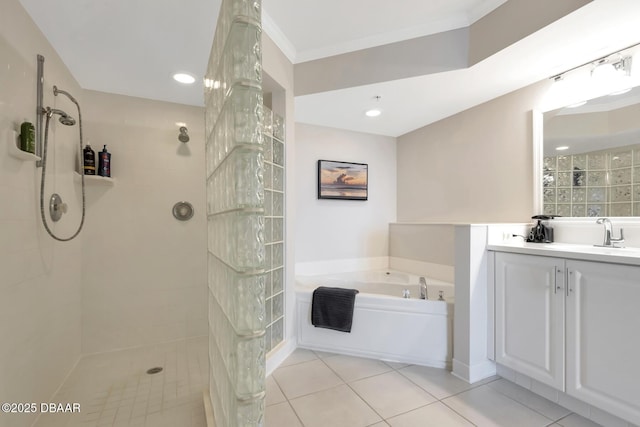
(594, 184)
(235, 216)
(274, 173)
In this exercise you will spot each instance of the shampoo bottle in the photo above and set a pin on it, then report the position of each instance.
(27, 138)
(89, 157)
(104, 162)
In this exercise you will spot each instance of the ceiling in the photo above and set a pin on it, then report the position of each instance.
(134, 47)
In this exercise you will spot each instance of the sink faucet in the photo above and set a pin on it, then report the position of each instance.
(423, 288)
(609, 241)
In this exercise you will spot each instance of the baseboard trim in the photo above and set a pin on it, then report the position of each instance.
(475, 373)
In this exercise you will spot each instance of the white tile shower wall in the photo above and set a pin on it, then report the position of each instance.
(40, 279)
(144, 272)
(343, 229)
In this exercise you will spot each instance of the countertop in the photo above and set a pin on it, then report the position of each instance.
(628, 256)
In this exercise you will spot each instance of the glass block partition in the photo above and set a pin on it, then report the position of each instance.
(594, 184)
(274, 173)
(236, 217)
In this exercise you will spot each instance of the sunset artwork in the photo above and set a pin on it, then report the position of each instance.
(342, 180)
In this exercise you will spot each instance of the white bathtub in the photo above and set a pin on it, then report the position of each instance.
(385, 325)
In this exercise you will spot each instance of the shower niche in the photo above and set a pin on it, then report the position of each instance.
(13, 141)
(95, 180)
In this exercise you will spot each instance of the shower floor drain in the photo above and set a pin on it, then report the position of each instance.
(154, 370)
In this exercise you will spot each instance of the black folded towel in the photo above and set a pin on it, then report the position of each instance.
(332, 308)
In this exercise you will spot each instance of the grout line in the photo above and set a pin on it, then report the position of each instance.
(355, 392)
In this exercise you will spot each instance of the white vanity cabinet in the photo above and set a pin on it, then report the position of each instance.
(529, 316)
(546, 305)
(603, 336)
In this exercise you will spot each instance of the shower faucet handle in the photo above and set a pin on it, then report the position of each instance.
(60, 207)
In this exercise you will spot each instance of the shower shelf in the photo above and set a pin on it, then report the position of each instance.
(14, 151)
(96, 180)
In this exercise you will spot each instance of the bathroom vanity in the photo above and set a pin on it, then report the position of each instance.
(568, 317)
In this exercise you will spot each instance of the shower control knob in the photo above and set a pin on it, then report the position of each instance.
(57, 207)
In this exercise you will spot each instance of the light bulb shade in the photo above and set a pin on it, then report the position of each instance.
(613, 76)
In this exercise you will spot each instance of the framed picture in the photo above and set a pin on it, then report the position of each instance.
(343, 180)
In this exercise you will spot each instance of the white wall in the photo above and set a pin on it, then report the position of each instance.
(144, 272)
(343, 229)
(475, 166)
(40, 279)
(423, 249)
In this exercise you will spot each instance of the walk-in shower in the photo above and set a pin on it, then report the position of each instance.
(56, 206)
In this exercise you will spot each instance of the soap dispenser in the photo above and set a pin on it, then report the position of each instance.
(104, 163)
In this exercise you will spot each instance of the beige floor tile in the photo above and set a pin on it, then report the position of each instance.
(281, 415)
(530, 399)
(299, 355)
(380, 424)
(575, 420)
(355, 368)
(305, 378)
(336, 407)
(439, 382)
(486, 407)
(324, 354)
(433, 415)
(391, 394)
(274, 394)
(396, 365)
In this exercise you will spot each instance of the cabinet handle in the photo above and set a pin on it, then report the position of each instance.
(556, 287)
(569, 288)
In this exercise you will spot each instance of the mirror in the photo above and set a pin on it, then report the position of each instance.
(591, 158)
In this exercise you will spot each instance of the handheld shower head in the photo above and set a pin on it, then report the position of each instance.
(183, 137)
(65, 119)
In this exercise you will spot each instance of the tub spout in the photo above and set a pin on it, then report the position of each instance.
(423, 288)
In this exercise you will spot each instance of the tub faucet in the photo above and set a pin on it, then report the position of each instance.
(423, 288)
(609, 241)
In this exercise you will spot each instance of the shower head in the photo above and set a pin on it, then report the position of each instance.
(65, 119)
(183, 137)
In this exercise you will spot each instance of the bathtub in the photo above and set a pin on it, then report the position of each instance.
(385, 326)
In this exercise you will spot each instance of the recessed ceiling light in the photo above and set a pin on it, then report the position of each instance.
(564, 147)
(184, 78)
(373, 112)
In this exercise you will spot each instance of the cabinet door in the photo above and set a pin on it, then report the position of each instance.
(603, 337)
(530, 316)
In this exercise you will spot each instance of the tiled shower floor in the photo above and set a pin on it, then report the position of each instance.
(114, 390)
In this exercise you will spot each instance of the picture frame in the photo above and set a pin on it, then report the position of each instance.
(343, 180)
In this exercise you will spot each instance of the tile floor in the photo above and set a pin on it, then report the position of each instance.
(310, 389)
(314, 389)
(113, 388)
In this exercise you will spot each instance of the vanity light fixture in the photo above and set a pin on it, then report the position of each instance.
(613, 74)
(609, 74)
(184, 78)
